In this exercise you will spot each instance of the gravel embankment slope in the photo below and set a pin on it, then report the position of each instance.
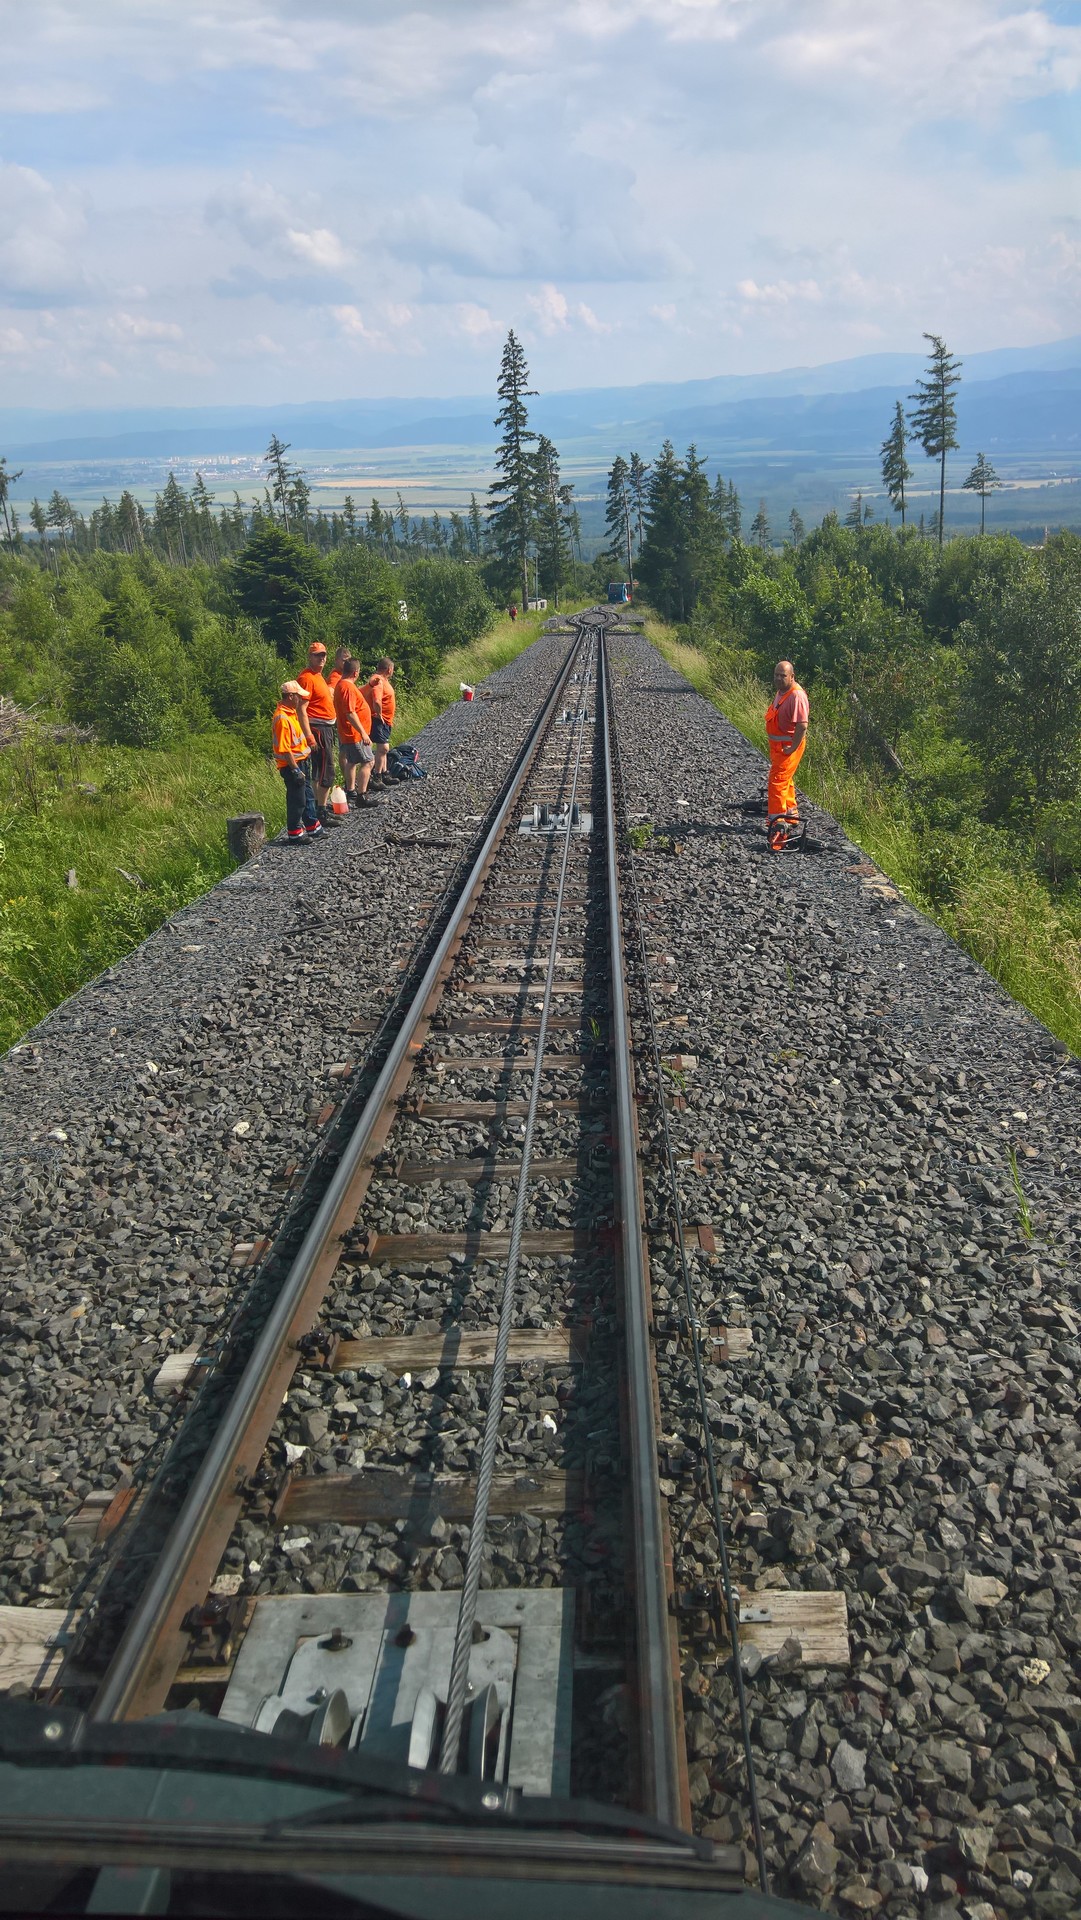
(143, 1124)
(906, 1424)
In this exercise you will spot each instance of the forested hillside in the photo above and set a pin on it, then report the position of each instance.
(135, 695)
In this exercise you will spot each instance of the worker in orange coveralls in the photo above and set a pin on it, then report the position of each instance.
(786, 731)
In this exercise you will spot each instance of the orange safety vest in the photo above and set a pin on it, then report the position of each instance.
(287, 734)
(782, 715)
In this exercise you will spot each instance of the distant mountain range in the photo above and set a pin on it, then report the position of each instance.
(1013, 400)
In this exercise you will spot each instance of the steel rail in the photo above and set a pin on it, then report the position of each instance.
(692, 1323)
(138, 1675)
(450, 1751)
(661, 1754)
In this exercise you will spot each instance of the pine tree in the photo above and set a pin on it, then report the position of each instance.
(896, 472)
(39, 520)
(510, 519)
(660, 563)
(476, 527)
(982, 480)
(796, 529)
(202, 504)
(7, 481)
(349, 517)
(553, 555)
(60, 514)
(279, 475)
(735, 512)
(637, 476)
(404, 528)
(619, 514)
(934, 417)
(760, 533)
(300, 496)
(854, 516)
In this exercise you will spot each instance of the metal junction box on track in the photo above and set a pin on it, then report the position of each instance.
(546, 819)
(370, 1671)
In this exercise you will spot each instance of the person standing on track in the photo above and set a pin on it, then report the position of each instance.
(786, 730)
(354, 732)
(291, 750)
(321, 723)
(380, 697)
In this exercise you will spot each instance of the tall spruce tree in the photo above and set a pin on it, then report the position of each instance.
(619, 514)
(637, 476)
(660, 563)
(797, 532)
(279, 474)
(7, 480)
(982, 480)
(934, 415)
(896, 472)
(760, 530)
(512, 494)
(553, 547)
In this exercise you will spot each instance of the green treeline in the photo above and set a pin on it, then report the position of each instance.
(146, 652)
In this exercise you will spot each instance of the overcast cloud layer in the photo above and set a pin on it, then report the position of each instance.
(243, 200)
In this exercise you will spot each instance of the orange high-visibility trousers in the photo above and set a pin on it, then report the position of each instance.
(781, 791)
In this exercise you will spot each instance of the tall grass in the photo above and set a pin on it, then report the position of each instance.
(157, 816)
(1026, 933)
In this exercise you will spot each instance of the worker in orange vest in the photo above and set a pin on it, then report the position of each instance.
(786, 731)
(381, 703)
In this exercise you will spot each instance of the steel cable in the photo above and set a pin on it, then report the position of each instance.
(730, 1600)
(450, 1751)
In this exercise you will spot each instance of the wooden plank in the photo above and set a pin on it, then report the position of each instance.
(517, 988)
(819, 1621)
(406, 1249)
(352, 1499)
(32, 1644)
(496, 1109)
(512, 1062)
(462, 1350)
(728, 1343)
(493, 1023)
(418, 1173)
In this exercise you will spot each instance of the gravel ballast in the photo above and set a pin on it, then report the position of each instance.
(145, 1124)
(905, 1426)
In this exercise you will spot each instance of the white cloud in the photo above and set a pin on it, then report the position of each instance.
(270, 223)
(475, 321)
(138, 326)
(551, 307)
(38, 231)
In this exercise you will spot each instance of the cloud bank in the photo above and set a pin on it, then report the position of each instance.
(244, 200)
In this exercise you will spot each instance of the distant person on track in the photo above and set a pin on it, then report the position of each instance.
(354, 732)
(786, 730)
(380, 697)
(322, 726)
(291, 751)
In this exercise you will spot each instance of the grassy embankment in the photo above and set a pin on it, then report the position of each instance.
(1026, 934)
(159, 816)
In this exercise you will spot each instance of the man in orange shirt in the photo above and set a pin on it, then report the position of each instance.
(786, 730)
(321, 724)
(380, 697)
(291, 751)
(341, 655)
(354, 732)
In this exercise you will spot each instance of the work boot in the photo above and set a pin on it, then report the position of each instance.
(329, 818)
(313, 832)
(368, 800)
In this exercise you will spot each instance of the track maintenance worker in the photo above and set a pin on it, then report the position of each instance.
(786, 731)
(354, 732)
(322, 726)
(291, 751)
(380, 697)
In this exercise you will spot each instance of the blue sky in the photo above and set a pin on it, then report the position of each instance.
(243, 200)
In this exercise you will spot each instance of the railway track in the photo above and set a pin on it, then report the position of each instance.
(500, 1099)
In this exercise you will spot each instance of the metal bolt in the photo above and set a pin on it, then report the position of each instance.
(490, 1800)
(53, 1730)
